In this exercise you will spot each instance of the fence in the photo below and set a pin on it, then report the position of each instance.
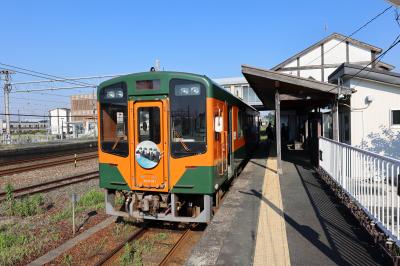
(370, 179)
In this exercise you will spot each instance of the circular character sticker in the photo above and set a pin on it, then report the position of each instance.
(147, 154)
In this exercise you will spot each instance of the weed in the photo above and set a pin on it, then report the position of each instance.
(10, 199)
(67, 260)
(61, 215)
(161, 236)
(132, 254)
(29, 206)
(127, 257)
(13, 247)
(118, 229)
(97, 249)
(120, 200)
(92, 199)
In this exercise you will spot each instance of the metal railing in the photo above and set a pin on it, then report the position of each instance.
(370, 179)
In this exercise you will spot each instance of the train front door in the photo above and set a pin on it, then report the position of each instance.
(150, 145)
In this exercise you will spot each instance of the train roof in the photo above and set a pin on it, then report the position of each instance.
(162, 75)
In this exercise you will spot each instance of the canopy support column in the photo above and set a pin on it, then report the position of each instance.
(335, 120)
(278, 129)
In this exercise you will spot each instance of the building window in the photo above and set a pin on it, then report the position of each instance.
(252, 96)
(238, 91)
(246, 93)
(395, 117)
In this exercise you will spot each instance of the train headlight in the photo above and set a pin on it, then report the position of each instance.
(195, 90)
(119, 93)
(110, 94)
(187, 90)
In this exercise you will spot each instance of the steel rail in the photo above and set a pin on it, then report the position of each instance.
(177, 245)
(113, 252)
(49, 157)
(50, 185)
(21, 169)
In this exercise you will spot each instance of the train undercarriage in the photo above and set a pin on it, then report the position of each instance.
(161, 206)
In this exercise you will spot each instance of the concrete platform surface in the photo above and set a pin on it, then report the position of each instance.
(288, 219)
(231, 235)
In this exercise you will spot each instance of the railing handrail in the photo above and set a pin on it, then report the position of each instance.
(382, 157)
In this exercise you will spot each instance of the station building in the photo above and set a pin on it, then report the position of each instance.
(366, 118)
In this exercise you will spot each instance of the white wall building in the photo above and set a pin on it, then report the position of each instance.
(60, 119)
(374, 116)
(322, 58)
(315, 62)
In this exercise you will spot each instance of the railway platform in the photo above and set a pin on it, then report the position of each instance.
(288, 219)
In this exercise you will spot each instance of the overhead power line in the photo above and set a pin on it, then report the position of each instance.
(353, 33)
(67, 79)
(394, 43)
(26, 71)
(54, 89)
(31, 115)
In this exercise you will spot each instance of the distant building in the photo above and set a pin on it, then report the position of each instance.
(25, 126)
(239, 87)
(60, 121)
(84, 114)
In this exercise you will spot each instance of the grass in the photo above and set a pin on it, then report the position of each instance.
(27, 206)
(93, 200)
(67, 260)
(119, 200)
(132, 255)
(17, 241)
(161, 236)
(13, 247)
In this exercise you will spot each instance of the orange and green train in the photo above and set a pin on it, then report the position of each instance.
(168, 143)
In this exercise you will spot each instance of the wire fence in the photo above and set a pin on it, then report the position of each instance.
(31, 128)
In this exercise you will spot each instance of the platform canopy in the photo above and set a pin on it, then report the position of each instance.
(295, 92)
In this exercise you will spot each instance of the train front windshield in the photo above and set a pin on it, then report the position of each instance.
(114, 120)
(188, 118)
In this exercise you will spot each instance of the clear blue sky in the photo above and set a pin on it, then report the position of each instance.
(78, 38)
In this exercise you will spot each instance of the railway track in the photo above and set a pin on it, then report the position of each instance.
(51, 185)
(40, 158)
(168, 259)
(38, 165)
(111, 257)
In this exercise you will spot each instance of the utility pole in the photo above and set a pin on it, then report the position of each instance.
(157, 66)
(7, 90)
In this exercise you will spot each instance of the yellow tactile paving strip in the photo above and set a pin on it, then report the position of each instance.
(271, 243)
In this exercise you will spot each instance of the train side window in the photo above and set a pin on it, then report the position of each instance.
(240, 124)
(149, 124)
(114, 129)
